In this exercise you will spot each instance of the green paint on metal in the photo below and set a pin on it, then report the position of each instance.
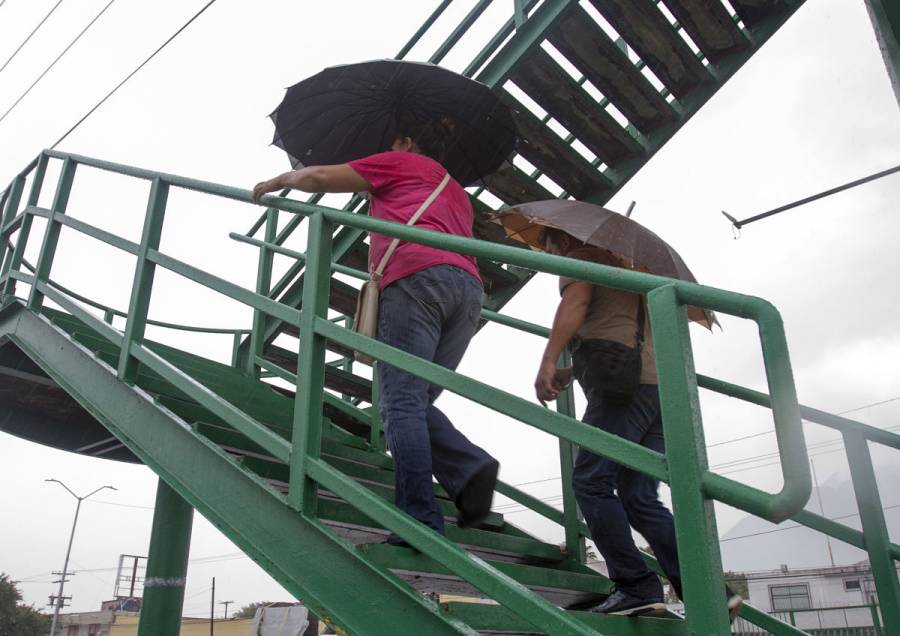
(51, 234)
(166, 575)
(875, 530)
(263, 284)
(144, 271)
(885, 16)
(307, 435)
(695, 518)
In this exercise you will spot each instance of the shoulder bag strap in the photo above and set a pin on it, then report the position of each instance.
(412, 221)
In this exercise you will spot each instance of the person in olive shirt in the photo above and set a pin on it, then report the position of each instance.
(613, 498)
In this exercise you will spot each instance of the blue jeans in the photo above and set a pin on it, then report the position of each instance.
(613, 497)
(432, 314)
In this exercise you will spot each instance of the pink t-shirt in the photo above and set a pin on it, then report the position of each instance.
(400, 182)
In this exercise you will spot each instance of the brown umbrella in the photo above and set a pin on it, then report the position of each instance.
(630, 243)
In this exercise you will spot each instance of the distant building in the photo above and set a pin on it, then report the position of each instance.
(833, 600)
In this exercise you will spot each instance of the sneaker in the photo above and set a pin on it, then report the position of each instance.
(621, 603)
(735, 602)
(475, 498)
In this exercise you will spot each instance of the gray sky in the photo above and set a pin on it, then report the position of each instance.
(813, 109)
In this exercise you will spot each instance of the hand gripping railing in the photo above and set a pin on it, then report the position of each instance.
(684, 466)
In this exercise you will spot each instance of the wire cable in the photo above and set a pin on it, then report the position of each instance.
(134, 72)
(58, 58)
(30, 35)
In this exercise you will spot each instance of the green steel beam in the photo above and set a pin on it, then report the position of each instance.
(167, 561)
(526, 37)
(885, 16)
(423, 29)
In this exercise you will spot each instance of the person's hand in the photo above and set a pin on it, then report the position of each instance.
(264, 187)
(545, 383)
(563, 378)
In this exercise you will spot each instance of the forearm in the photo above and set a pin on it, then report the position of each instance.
(568, 319)
(310, 179)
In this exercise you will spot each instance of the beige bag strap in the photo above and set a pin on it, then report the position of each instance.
(412, 221)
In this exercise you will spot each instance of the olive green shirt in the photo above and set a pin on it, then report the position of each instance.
(612, 315)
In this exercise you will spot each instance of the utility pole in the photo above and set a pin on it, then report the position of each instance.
(226, 604)
(212, 608)
(821, 509)
(59, 600)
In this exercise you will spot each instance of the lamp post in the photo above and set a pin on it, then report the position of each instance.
(65, 571)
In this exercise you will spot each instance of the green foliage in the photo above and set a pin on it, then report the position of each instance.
(17, 619)
(249, 611)
(738, 583)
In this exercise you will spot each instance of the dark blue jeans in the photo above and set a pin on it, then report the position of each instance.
(614, 499)
(432, 314)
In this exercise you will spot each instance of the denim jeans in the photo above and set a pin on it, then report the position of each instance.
(613, 497)
(432, 314)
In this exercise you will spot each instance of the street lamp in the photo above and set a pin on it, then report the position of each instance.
(62, 579)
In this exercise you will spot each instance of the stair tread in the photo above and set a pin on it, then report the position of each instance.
(555, 90)
(710, 26)
(587, 47)
(648, 32)
(490, 618)
(543, 576)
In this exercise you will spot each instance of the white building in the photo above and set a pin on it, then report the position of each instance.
(815, 599)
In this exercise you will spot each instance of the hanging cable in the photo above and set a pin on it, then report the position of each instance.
(35, 30)
(58, 58)
(134, 72)
(815, 197)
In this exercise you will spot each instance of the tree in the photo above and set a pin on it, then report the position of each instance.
(18, 619)
(249, 611)
(738, 583)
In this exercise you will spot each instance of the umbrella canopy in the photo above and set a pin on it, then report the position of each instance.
(629, 243)
(351, 111)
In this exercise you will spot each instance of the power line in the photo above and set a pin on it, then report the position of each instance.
(853, 410)
(134, 72)
(58, 58)
(755, 457)
(756, 534)
(35, 30)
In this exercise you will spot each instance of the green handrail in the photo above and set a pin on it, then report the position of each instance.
(678, 382)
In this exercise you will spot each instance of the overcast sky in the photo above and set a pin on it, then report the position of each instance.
(812, 110)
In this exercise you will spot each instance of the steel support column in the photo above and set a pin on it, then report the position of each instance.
(170, 542)
(885, 16)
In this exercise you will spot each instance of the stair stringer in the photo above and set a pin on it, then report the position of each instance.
(318, 567)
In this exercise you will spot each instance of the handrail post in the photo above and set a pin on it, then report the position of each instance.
(565, 404)
(15, 260)
(376, 426)
(695, 518)
(10, 206)
(51, 234)
(142, 287)
(263, 284)
(306, 438)
(874, 528)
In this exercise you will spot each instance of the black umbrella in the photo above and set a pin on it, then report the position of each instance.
(351, 111)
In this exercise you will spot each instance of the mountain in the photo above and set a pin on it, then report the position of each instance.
(773, 545)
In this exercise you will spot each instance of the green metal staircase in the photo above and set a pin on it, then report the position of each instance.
(282, 449)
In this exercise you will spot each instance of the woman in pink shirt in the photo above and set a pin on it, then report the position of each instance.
(430, 307)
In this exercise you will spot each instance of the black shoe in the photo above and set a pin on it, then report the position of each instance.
(735, 602)
(395, 540)
(475, 498)
(621, 603)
